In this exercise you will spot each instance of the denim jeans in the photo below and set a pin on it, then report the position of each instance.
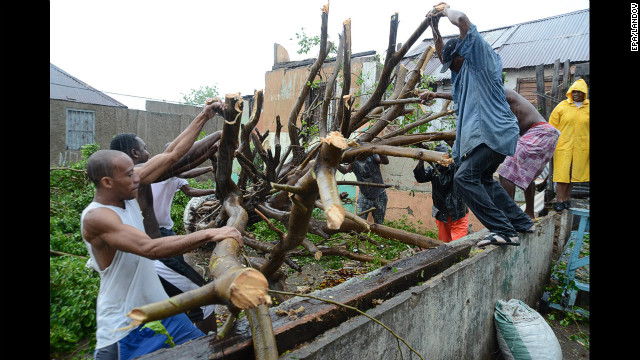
(167, 232)
(380, 203)
(485, 197)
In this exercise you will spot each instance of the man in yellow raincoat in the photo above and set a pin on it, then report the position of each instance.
(571, 157)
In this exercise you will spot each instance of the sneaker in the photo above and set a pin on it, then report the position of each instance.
(558, 206)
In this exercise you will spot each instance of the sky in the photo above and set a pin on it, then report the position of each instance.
(134, 50)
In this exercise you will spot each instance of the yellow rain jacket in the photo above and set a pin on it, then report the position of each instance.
(571, 157)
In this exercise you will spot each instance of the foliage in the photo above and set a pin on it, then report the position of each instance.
(559, 289)
(366, 243)
(405, 224)
(159, 329)
(308, 130)
(73, 288)
(306, 43)
(200, 96)
(561, 285)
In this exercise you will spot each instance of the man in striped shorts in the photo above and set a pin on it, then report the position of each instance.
(535, 148)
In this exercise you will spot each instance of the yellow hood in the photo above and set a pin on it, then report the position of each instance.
(579, 85)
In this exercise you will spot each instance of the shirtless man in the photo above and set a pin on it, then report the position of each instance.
(535, 147)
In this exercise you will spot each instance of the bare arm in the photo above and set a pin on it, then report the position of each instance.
(160, 163)
(456, 17)
(106, 233)
(437, 39)
(430, 95)
(189, 191)
(195, 172)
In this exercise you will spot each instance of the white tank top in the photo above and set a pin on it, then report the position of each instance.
(129, 282)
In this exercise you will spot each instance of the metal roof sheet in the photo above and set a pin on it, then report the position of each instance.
(518, 55)
(63, 86)
(531, 43)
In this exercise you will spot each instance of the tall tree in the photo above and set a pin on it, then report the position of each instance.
(200, 96)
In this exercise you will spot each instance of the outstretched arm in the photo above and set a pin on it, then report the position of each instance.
(160, 163)
(193, 192)
(437, 39)
(456, 17)
(106, 233)
(430, 95)
(195, 172)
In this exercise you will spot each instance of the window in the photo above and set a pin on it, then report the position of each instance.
(80, 128)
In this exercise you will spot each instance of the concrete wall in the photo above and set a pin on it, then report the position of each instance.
(450, 316)
(161, 123)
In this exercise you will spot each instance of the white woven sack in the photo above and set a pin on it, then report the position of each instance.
(523, 334)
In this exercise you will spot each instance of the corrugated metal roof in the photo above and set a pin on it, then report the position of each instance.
(63, 86)
(531, 43)
(574, 48)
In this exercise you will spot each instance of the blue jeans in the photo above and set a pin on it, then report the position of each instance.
(141, 341)
(380, 203)
(485, 197)
(167, 232)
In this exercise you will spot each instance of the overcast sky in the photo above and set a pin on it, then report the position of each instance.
(138, 49)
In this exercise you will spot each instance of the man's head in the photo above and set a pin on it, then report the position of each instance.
(112, 170)
(450, 58)
(131, 145)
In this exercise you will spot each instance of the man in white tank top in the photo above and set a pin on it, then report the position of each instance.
(113, 231)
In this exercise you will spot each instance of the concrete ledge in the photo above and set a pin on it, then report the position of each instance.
(450, 316)
(447, 315)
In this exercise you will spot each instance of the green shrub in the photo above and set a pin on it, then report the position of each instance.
(73, 288)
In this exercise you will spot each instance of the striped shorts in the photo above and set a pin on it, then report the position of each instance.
(535, 148)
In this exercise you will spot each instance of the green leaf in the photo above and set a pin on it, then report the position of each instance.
(159, 329)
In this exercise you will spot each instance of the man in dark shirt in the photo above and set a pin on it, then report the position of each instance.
(367, 169)
(450, 211)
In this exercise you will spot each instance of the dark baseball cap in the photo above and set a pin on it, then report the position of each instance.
(448, 54)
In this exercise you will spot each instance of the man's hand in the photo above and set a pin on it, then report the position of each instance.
(438, 10)
(213, 106)
(225, 232)
(440, 7)
(427, 96)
